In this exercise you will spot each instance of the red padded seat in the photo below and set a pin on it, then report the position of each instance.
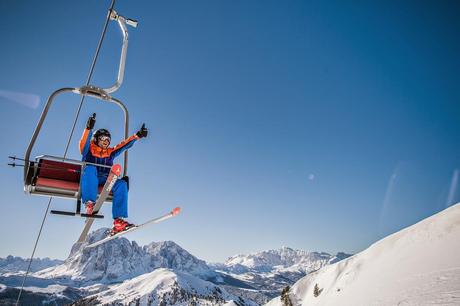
(52, 175)
(59, 170)
(57, 174)
(47, 182)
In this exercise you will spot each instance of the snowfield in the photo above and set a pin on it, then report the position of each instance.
(52, 289)
(419, 265)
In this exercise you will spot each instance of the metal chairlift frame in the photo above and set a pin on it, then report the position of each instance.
(32, 169)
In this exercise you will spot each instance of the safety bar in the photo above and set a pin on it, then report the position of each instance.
(69, 161)
(122, 22)
(94, 92)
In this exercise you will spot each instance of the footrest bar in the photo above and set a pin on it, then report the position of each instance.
(65, 213)
(72, 214)
(92, 216)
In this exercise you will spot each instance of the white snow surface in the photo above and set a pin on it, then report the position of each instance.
(52, 289)
(419, 265)
(166, 286)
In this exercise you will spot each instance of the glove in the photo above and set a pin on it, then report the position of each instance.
(142, 132)
(91, 121)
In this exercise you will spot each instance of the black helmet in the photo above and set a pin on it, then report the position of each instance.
(99, 133)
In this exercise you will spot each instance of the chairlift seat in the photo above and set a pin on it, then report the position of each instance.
(58, 178)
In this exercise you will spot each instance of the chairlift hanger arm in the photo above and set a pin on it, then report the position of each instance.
(122, 22)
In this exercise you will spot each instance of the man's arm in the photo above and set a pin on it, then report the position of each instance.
(128, 143)
(124, 145)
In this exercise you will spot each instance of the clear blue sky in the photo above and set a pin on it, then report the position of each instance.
(314, 125)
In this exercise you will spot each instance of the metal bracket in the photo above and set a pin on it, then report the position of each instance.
(131, 22)
(94, 91)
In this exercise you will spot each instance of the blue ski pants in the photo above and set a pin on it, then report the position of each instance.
(90, 182)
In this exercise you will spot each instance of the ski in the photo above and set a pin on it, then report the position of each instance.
(114, 174)
(109, 237)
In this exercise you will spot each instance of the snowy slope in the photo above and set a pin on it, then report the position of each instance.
(51, 295)
(164, 287)
(419, 265)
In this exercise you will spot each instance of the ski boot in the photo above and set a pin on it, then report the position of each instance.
(120, 225)
(89, 206)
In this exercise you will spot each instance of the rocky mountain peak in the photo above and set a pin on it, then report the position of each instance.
(120, 259)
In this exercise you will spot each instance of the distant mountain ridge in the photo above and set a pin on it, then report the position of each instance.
(281, 260)
(16, 264)
(272, 270)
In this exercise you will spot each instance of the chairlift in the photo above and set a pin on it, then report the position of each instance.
(60, 177)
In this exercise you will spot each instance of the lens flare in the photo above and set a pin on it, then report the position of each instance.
(386, 206)
(453, 188)
(29, 100)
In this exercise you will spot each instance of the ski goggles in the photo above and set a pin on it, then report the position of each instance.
(103, 138)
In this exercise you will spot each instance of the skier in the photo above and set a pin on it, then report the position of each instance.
(96, 150)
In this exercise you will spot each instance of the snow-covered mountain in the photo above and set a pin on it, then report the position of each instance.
(16, 264)
(122, 271)
(270, 271)
(164, 287)
(419, 265)
(162, 273)
(120, 259)
(281, 260)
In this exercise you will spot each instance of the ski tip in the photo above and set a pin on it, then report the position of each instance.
(175, 211)
(116, 169)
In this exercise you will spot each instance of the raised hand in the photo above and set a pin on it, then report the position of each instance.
(142, 132)
(91, 121)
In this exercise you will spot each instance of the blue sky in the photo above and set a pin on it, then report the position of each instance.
(318, 126)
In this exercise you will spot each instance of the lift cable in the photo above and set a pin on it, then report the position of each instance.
(93, 64)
